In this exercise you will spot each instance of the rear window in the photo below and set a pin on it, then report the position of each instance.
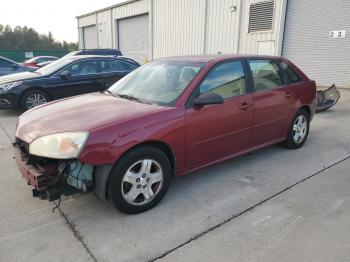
(293, 77)
(266, 74)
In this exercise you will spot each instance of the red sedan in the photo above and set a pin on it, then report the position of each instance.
(167, 118)
(35, 61)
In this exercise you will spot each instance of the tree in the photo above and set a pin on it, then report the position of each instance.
(29, 39)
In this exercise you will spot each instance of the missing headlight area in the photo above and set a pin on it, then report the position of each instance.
(52, 177)
(327, 98)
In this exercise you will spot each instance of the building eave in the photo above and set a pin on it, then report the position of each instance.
(106, 8)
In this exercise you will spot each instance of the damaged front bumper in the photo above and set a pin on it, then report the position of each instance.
(52, 178)
(327, 98)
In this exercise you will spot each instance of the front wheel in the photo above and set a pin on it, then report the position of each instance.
(139, 180)
(299, 130)
(33, 98)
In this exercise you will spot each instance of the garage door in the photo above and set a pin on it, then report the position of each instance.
(90, 37)
(307, 40)
(132, 37)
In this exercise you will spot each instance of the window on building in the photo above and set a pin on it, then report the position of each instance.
(261, 16)
(265, 74)
(293, 77)
(226, 80)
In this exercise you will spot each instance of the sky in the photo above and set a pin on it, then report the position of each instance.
(48, 15)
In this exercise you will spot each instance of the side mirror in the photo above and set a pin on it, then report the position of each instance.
(208, 99)
(65, 74)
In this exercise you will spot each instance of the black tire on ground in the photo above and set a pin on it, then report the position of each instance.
(24, 103)
(291, 141)
(116, 184)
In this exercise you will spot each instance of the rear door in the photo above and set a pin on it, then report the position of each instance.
(84, 78)
(214, 132)
(273, 102)
(112, 70)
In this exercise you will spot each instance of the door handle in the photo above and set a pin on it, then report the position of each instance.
(245, 106)
(288, 95)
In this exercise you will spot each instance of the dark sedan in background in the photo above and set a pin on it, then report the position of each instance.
(65, 77)
(8, 67)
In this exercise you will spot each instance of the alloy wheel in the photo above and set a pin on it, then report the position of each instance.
(142, 182)
(299, 129)
(34, 100)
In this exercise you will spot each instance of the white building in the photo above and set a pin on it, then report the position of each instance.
(311, 33)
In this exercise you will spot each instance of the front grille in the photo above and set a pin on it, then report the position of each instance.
(23, 147)
(31, 159)
(4, 103)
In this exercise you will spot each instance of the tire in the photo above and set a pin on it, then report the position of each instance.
(33, 98)
(132, 183)
(298, 130)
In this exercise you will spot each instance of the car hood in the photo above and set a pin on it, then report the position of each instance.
(18, 77)
(80, 113)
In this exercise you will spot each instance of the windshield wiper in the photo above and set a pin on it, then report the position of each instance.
(107, 91)
(132, 98)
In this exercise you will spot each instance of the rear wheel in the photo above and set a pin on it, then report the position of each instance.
(140, 180)
(299, 130)
(33, 98)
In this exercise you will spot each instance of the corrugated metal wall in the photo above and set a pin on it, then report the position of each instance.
(185, 27)
(222, 26)
(87, 20)
(307, 41)
(90, 37)
(136, 44)
(178, 27)
(129, 10)
(249, 42)
(104, 27)
(85, 24)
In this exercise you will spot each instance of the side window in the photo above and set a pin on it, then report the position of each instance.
(226, 80)
(112, 66)
(265, 74)
(83, 68)
(293, 77)
(129, 66)
(4, 64)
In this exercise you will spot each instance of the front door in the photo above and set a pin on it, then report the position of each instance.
(272, 102)
(215, 132)
(84, 78)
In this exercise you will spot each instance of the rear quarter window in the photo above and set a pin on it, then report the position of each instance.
(292, 76)
(129, 66)
(266, 74)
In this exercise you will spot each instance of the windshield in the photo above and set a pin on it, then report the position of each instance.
(54, 66)
(160, 82)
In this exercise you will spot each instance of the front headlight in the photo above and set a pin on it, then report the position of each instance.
(8, 86)
(59, 146)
